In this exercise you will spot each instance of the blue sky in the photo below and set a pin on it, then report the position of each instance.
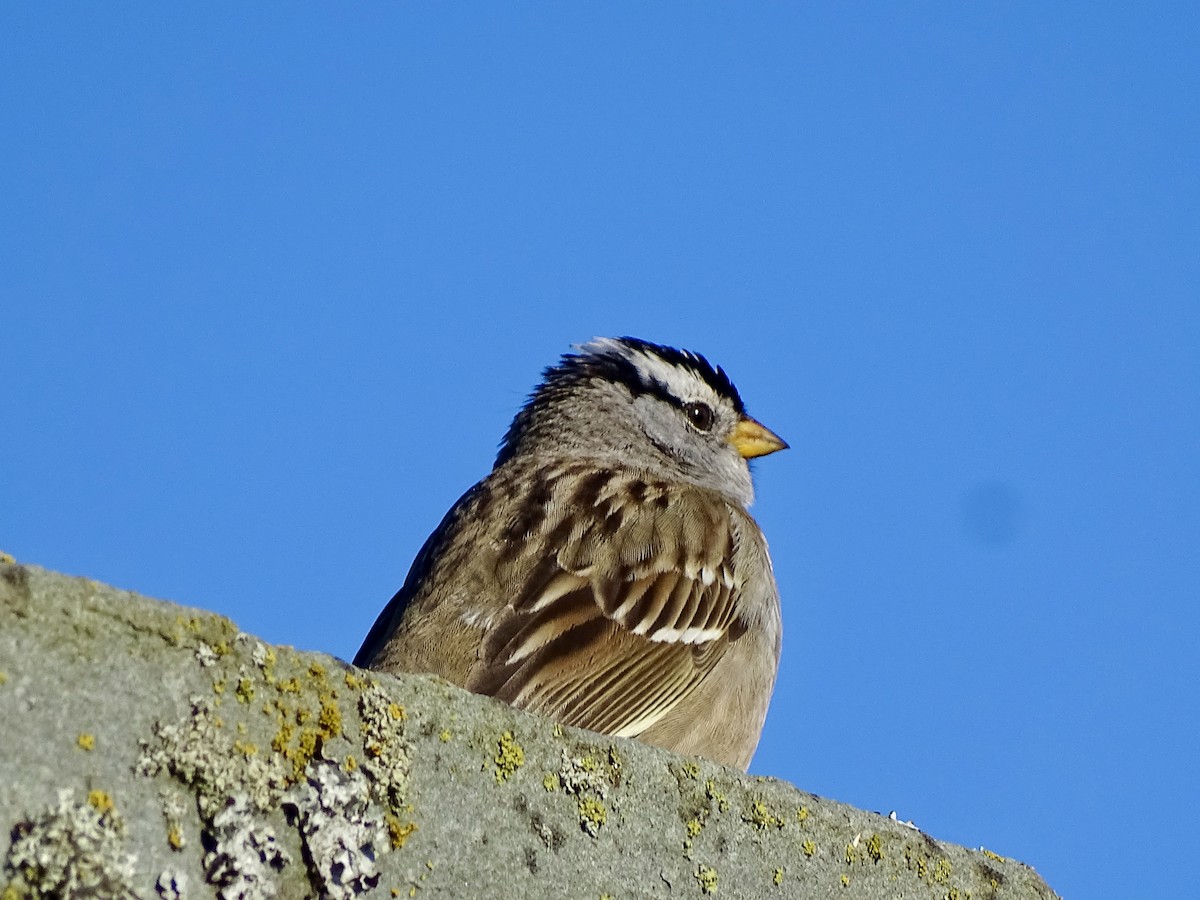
(275, 278)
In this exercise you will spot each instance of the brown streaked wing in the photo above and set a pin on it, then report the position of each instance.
(609, 631)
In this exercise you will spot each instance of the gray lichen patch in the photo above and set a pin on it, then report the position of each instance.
(244, 853)
(174, 813)
(588, 780)
(74, 849)
(202, 753)
(385, 747)
(171, 886)
(234, 786)
(223, 751)
(343, 833)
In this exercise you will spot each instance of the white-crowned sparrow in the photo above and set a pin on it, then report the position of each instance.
(606, 573)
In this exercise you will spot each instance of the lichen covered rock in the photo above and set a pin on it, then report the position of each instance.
(155, 751)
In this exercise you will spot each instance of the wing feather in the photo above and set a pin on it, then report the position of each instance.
(611, 633)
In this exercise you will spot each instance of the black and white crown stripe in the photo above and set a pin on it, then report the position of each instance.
(641, 366)
(657, 369)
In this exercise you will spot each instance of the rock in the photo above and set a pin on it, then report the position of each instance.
(150, 750)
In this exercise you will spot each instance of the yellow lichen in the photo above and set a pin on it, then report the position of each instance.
(875, 848)
(245, 748)
(510, 756)
(444, 735)
(244, 690)
(175, 837)
(777, 878)
(86, 742)
(694, 827)
(305, 750)
(550, 782)
(809, 848)
(399, 832)
(994, 856)
(916, 864)
(802, 814)
(845, 881)
(710, 790)
(330, 720)
(706, 876)
(761, 817)
(352, 681)
(306, 744)
(592, 814)
(100, 801)
(351, 763)
(396, 712)
(690, 769)
(283, 736)
(942, 870)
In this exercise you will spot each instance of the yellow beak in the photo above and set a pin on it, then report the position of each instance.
(752, 439)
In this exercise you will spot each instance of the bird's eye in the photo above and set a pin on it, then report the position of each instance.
(700, 415)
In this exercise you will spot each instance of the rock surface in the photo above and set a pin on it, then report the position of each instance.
(150, 750)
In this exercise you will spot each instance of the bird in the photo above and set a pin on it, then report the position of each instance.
(607, 573)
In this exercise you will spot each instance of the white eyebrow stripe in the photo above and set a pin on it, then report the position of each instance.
(680, 381)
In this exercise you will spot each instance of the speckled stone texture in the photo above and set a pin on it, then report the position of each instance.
(150, 750)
